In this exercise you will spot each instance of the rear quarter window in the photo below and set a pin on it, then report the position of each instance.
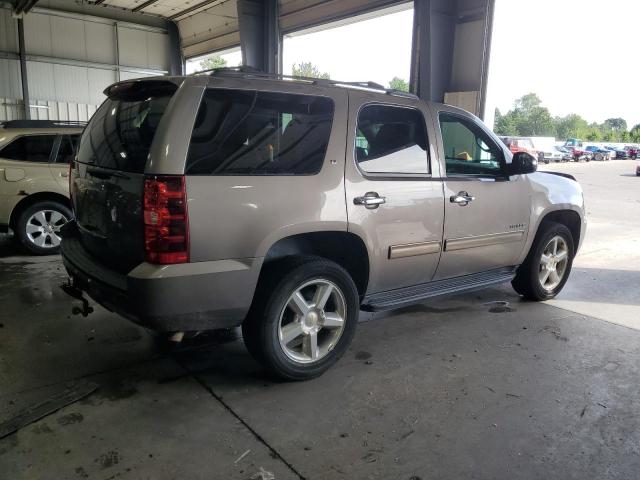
(244, 132)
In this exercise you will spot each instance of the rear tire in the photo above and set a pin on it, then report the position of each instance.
(303, 317)
(543, 275)
(38, 227)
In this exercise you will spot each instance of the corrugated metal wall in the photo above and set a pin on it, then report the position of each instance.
(71, 59)
(10, 86)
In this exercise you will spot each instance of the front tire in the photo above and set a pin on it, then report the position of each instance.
(303, 317)
(38, 227)
(548, 265)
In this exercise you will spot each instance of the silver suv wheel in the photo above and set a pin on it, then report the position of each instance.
(312, 321)
(43, 228)
(553, 263)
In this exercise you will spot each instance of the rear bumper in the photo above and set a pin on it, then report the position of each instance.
(167, 298)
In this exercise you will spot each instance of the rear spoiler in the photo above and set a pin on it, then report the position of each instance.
(140, 89)
(561, 174)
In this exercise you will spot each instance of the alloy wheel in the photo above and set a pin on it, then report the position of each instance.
(43, 228)
(312, 321)
(553, 263)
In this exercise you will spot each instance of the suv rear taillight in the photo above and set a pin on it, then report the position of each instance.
(166, 220)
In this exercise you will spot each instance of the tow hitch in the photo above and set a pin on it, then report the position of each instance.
(70, 289)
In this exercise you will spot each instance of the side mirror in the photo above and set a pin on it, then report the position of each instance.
(522, 163)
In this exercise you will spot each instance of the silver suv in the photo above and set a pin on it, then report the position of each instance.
(287, 205)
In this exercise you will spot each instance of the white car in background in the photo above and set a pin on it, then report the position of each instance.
(551, 155)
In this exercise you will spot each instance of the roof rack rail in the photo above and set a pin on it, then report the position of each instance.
(42, 124)
(250, 72)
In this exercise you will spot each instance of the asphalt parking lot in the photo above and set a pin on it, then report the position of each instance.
(468, 387)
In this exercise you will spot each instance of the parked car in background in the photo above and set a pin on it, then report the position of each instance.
(545, 146)
(552, 155)
(618, 153)
(632, 152)
(565, 153)
(286, 206)
(34, 184)
(577, 150)
(521, 144)
(598, 153)
(579, 154)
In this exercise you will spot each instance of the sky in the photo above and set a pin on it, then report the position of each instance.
(579, 56)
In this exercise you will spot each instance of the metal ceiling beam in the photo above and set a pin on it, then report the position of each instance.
(144, 5)
(23, 6)
(194, 8)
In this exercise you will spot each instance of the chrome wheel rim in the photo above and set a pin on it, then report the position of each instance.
(312, 321)
(43, 228)
(553, 263)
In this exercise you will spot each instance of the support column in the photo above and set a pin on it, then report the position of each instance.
(259, 34)
(450, 54)
(176, 61)
(23, 70)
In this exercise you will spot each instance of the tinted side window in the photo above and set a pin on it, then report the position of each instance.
(33, 148)
(467, 149)
(391, 140)
(68, 148)
(242, 132)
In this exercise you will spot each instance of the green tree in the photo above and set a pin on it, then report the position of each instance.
(398, 83)
(505, 124)
(527, 102)
(527, 118)
(570, 126)
(615, 124)
(308, 69)
(594, 133)
(213, 62)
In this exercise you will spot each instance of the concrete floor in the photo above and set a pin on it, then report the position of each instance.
(461, 388)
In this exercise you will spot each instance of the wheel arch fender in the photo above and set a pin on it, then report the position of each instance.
(340, 246)
(566, 214)
(34, 198)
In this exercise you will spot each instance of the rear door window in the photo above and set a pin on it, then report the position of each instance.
(245, 132)
(391, 139)
(30, 148)
(68, 148)
(120, 133)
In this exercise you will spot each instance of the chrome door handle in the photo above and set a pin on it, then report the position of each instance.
(462, 199)
(370, 200)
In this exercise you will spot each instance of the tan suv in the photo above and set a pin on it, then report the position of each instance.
(34, 184)
(287, 205)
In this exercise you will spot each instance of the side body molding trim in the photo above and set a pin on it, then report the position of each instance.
(452, 244)
(413, 249)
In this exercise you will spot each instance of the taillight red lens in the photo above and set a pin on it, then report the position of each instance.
(166, 221)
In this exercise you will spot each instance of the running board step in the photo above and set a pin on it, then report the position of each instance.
(402, 297)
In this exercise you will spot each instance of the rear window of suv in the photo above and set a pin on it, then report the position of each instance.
(245, 132)
(120, 133)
